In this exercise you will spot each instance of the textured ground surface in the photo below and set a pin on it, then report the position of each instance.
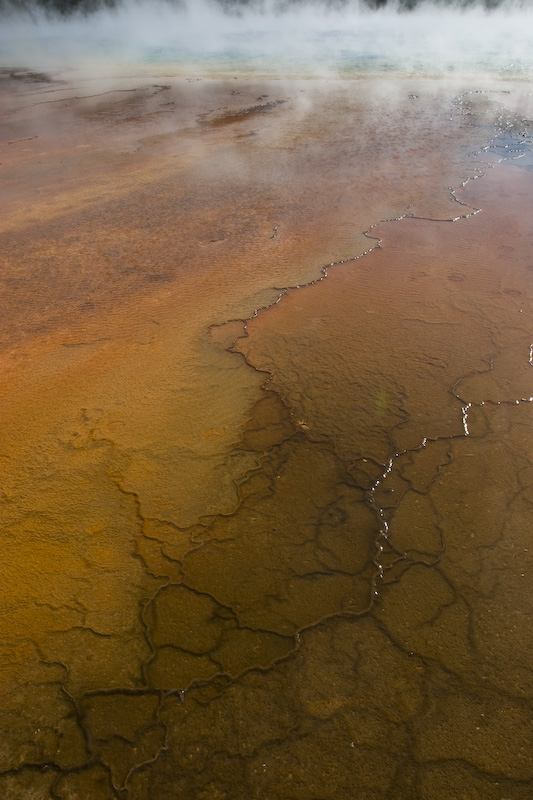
(214, 590)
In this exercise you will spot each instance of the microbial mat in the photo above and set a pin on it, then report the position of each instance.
(266, 437)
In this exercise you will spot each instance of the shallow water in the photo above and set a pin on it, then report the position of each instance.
(301, 573)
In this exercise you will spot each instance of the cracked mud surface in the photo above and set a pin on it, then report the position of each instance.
(305, 573)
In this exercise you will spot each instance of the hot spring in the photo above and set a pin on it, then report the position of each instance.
(266, 401)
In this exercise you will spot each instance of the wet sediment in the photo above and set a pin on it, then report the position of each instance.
(315, 588)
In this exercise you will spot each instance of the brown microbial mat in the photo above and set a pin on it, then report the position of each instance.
(258, 541)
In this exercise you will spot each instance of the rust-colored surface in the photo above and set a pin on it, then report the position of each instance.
(213, 590)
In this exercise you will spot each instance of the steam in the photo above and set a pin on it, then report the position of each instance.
(269, 36)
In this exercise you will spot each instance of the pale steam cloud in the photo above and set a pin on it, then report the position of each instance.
(268, 36)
